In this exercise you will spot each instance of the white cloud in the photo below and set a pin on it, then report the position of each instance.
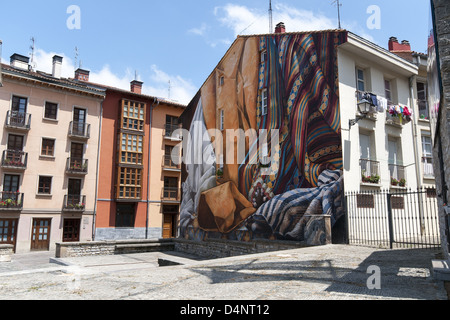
(243, 20)
(156, 81)
(181, 90)
(199, 31)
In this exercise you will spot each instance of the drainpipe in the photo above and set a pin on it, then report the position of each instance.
(412, 81)
(153, 106)
(94, 220)
(418, 161)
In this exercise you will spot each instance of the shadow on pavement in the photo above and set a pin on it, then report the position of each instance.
(404, 274)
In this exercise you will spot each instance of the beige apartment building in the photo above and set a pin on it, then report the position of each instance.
(49, 156)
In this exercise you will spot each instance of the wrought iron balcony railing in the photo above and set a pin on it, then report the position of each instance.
(11, 201)
(170, 194)
(169, 131)
(370, 171)
(428, 170)
(398, 177)
(74, 203)
(77, 166)
(18, 120)
(14, 159)
(170, 163)
(80, 130)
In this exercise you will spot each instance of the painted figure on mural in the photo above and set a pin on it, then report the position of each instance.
(285, 83)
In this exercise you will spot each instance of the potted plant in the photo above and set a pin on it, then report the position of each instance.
(402, 183)
(219, 173)
(394, 182)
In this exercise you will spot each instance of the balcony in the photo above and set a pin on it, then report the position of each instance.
(170, 164)
(170, 195)
(169, 132)
(428, 170)
(11, 201)
(77, 166)
(14, 160)
(74, 203)
(18, 121)
(80, 130)
(370, 172)
(398, 177)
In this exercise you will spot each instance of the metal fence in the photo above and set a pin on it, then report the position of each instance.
(383, 219)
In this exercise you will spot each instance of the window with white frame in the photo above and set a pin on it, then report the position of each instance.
(222, 120)
(263, 56)
(427, 156)
(360, 83)
(264, 102)
(388, 91)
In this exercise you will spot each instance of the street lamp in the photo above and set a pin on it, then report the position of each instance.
(364, 109)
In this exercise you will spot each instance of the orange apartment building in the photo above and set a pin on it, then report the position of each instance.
(138, 192)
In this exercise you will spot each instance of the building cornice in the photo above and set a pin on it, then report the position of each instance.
(52, 83)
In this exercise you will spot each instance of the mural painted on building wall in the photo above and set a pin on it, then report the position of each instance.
(280, 92)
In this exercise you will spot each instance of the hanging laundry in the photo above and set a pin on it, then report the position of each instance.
(373, 99)
(382, 104)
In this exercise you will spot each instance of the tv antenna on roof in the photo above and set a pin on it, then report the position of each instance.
(270, 17)
(338, 5)
(32, 65)
(76, 57)
(170, 86)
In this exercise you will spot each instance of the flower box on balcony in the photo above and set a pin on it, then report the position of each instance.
(375, 179)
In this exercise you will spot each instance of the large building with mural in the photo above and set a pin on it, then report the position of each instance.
(279, 93)
(277, 125)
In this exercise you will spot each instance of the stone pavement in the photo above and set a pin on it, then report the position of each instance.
(334, 272)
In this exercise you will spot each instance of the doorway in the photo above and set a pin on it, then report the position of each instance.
(71, 230)
(8, 231)
(40, 239)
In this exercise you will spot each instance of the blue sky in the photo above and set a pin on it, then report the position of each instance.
(182, 41)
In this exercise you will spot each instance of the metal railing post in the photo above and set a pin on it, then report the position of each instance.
(390, 221)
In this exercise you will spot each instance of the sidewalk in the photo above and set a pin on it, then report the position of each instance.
(332, 272)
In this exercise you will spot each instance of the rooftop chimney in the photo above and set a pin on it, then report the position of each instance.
(136, 86)
(403, 49)
(82, 75)
(19, 61)
(395, 46)
(280, 28)
(57, 66)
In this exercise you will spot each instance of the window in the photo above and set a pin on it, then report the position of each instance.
(125, 216)
(50, 110)
(48, 147)
(129, 183)
(365, 201)
(360, 83)
(397, 203)
(388, 91)
(263, 56)
(222, 120)
(365, 146)
(133, 115)
(19, 105)
(422, 100)
(171, 125)
(221, 81)
(131, 148)
(264, 102)
(427, 156)
(45, 185)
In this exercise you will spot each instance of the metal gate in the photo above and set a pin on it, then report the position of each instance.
(383, 219)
